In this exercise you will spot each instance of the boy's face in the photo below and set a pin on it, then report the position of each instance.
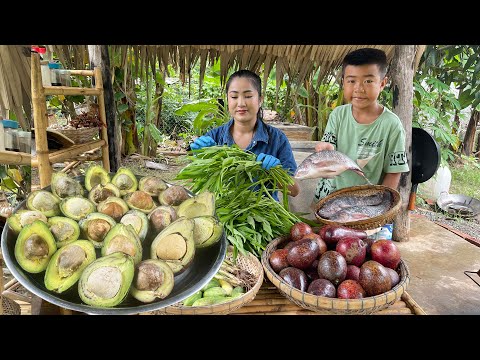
(362, 84)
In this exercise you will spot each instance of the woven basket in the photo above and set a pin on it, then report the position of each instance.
(248, 263)
(80, 135)
(9, 306)
(327, 305)
(363, 190)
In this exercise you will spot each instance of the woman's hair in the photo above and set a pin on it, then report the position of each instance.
(366, 56)
(254, 80)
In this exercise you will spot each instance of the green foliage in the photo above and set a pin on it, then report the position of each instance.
(15, 181)
(465, 178)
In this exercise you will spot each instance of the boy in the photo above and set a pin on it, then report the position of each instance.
(364, 130)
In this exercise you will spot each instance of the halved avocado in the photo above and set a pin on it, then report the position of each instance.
(43, 201)
(202, 204)
(95, 227)
(101, 192)
(64, 230)
(125, 181)
(207, 231)
(139, 222)
(24, 217)
(175, 245)
(76, 207)
(106, 281)
(66, 265)
(139, 200)
(161, 217)
(95, 175)
(64, 186)
(174, 195)
(153, 279)
(123, 238)
(34, 247)
(152, 185)
(114, 207)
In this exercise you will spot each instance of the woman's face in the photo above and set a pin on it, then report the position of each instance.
(243, 100)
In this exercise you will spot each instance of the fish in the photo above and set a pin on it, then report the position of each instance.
(361, 212)
(332, 206)
(326, 164)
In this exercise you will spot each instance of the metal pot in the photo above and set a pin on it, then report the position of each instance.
(459, 205)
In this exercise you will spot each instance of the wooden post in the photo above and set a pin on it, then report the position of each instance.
(99, 58)
(402, 71)
(40, 119)
(101, 103)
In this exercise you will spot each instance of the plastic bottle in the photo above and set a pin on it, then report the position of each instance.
(10, 129)
(2, 136)
(54, 74)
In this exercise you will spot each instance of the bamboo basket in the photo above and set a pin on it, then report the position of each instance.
(248, 263)
(363, 190)
(327, 305)
(80, 135)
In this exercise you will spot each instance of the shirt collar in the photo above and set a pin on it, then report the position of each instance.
(261, 133)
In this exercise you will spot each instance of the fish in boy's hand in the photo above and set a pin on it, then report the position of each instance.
(326, 164)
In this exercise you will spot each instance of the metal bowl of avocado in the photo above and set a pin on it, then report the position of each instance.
(206, 262)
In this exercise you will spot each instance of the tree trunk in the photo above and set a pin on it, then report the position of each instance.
(469, 139)
(99, 57)
(402, 71)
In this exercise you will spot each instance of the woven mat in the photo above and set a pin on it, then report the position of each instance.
(269, 301)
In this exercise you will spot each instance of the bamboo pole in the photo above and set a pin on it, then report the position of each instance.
(65, 154)
(412, 304)
(82, 72)
(17, 158)
(103, 118)
(66, 90)
(40, 120)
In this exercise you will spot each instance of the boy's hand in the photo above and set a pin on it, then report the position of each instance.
(268, 161)
(322, 145)
(201, 142)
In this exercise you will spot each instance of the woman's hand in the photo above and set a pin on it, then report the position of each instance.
(201, 142)
(268, 161)
(322, 145)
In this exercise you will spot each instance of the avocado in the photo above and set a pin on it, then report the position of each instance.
(64, 230)
(95, 227)
(114, 207)
(43, 201)
(202, 204)
(105, 282)
(66, 265)
(101, 192)
(160, 217)
(173, 196)
(139, 200)
(125, 181)
(76, 207)
(138, 220)
(175, 245)
(34, 247)
(152, 185)
(207, 231)
(123, 238)
(64, 186)
(95, 175)
(153, 279)
(24, 217)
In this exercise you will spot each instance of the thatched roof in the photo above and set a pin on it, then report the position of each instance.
(297, 61)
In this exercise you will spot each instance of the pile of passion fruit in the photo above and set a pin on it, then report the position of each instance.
(121, 218)
(337, 262)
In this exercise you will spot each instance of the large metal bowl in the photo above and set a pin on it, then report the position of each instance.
(205, 265)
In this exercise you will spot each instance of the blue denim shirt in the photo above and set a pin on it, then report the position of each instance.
(267, 139)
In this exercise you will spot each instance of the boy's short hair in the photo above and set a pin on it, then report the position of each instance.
(366, 56)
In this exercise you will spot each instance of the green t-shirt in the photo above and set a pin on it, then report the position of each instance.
(378, 148)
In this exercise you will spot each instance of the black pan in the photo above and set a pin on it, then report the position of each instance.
(425, 160)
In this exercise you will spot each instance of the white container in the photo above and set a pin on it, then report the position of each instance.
(438, 183)
(46, 80)
(2, 137)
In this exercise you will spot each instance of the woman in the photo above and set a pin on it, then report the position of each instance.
(247, 129)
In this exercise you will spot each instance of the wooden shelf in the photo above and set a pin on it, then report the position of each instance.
(15, 158)
(44, 157)
(71, 152)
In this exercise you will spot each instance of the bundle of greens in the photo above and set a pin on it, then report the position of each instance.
(250, 215)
